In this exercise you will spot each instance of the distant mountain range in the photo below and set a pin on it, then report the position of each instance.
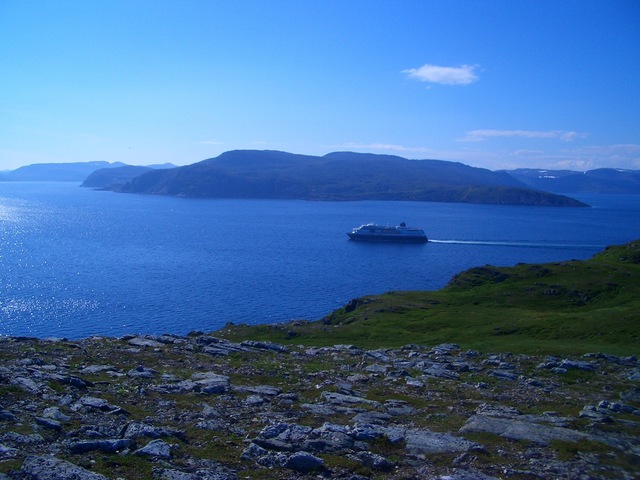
(65, 172)
(601, 180)
(56, 172)
(337, 176)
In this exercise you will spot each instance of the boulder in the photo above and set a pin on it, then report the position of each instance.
(424, 441)
(304, 462)
(156, 449)
(50, 468)
(521, 430)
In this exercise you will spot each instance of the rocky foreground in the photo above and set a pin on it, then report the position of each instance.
(198, 407)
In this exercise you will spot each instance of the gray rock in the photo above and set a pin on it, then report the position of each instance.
(7, 452)
(94, 403)
(521, 430)
(440, 370)
(398, 407)
(304, 462)
(267, 390)
(211, 382)
(51, 468)
(412, 382)
(274, 347)
(341, 399)
(141, 372)
(20, 440)
(323, 409)
(48, 423)
(374, 461)
(253, 452)
(593, 414)
(283, 437)
(380, 355)
(212, 425)
(377, 418)
(208, 474)
(377, 368)
(156, 449)
(6, 415)
(467, 475)
(424, 441)
(445, 349)
(93, 369)
(144, 342)
(98, 431)
(254, 400)
(180, 387)
(107, 446)
(208, 383)
(329, 438)
(395, 434)
(577, 365)
(499, 411)
(54, 413)
(367, 432)
(140, 429)
(71, 380)
(631, 395)
(25, 383)
(272, 460)
(350, 349)
(503, 375)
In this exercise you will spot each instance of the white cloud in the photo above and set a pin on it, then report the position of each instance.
(482, 135)
(384, 147)
(462, 75)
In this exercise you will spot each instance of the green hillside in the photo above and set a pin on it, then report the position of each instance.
(555, 308)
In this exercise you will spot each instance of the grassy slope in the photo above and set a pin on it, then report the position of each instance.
(556, 308)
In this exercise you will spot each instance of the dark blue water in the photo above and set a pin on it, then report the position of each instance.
(76, 262)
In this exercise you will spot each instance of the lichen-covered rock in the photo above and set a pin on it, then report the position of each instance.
(424, 441)
(522, 430)
(155, 448)
(51, 468)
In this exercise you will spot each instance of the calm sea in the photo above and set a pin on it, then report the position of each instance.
(76, 262)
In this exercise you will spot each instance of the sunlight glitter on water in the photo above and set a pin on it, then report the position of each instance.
(75, 262)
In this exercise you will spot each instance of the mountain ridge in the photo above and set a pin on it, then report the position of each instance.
(339, 176)
(71, 172)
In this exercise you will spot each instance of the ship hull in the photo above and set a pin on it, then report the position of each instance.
(387, 238)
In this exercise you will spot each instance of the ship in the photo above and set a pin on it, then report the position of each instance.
(378, 233)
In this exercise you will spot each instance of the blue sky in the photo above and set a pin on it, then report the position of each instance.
(494, 84)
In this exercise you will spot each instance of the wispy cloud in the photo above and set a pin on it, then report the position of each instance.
(609, 156)
(387, 147)
(624, 156)
(462, 75)
(482, 135)
(578, 158)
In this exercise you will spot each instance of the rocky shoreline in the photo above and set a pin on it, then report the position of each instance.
(198, 407)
